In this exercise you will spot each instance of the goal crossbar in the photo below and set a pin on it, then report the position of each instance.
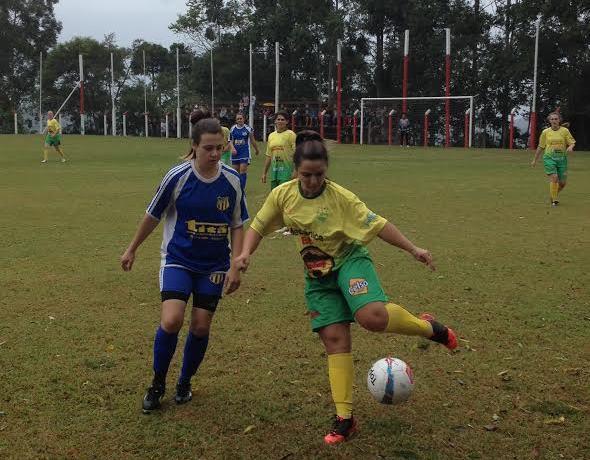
(419, 98)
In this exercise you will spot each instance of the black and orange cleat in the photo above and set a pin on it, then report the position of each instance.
(441, 333)
(342, 430)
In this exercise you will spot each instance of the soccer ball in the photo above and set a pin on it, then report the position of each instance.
(390, 381)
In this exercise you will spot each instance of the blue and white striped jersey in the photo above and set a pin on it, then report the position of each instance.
(197, 214)
(240, 136)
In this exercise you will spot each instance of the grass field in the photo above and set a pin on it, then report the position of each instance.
(76, 332)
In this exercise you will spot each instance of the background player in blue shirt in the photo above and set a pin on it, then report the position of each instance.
(201, 203)
(241, 136)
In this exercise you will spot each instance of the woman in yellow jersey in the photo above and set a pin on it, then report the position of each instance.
(332, 227)
(53, 138)
(279, 153)
(557, 142)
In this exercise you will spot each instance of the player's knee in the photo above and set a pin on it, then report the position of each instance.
(553, 178)
(171, 324)
(200, 330)
(373, 318)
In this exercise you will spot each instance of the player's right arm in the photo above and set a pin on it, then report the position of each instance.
(267, 159)
(146, 227)
(540, 147)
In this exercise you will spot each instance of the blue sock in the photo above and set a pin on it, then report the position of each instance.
(194, 352)
(243, 177)
(164, 347)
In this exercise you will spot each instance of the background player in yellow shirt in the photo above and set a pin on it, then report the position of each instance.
(279, 153)
(557, 142)
(53, 138)
(332, 227)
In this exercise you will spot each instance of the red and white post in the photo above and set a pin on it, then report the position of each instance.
(322, 113)
(405, 75)
(448, 87)
(426, 116)
(339, 92)
(354, 125)
(511, 138)
(390, 127)
(82, 114)
(533, 118)
(294, 121)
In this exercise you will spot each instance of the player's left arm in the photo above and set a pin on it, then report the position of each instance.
(253, 142)
(570, 141)
(392, 235)
(232, 280)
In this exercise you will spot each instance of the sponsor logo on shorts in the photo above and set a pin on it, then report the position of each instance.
(358, 286)
(216, 278)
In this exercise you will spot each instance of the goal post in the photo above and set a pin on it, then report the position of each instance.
(376, 117)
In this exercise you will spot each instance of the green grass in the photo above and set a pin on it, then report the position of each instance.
(76, 332)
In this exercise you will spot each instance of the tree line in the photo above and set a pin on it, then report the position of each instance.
(492, 50)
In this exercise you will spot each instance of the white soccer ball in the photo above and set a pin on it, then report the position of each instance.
(390, 381)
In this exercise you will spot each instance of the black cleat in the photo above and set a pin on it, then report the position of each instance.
(554, 203)
(342, 430)
(153, 398)
(183, 393)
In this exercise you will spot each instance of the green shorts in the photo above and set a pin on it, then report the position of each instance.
(226, 158)
(556, 165)
(53, 140)
(336, 298)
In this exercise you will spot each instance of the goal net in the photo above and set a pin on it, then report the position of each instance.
(432, 121)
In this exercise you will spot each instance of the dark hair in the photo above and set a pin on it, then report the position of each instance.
(309, 145)
(198, 114)
(282, 113)
(203, 126)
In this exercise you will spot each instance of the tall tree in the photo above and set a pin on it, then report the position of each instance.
(27, 27)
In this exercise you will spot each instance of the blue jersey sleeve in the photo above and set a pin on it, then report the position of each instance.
(163, 196)
(240, 214)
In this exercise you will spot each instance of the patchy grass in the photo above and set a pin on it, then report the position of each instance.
(76, 332)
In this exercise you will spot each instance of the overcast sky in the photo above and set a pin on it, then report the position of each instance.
(128, 19)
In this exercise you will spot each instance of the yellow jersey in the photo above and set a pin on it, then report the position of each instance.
(327, 228)
(225, 132)
(556, 141)
(53, 127)
(281, 145)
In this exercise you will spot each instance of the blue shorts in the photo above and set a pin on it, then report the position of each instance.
(179, 283)
(238, 160)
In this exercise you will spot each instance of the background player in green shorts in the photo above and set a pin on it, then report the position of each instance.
(332, 227)
(556, 142)
(53, 138)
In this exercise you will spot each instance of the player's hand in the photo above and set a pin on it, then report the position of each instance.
(232, 280)
(234, 152)
(570, 148)
(534, 162)
(127, 260)
(422, 255)
(241, 262)
(263, 179)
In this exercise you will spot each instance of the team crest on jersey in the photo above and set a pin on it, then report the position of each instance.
(358, 286)
(216, 278)
(222, 203)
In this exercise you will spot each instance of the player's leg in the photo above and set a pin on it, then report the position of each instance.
(244, 172)
(331, 318)
(562, 174)
(58, 149)
(550, 167)
(175, 287)
(360, 286)
(46, 147)
(207, 292)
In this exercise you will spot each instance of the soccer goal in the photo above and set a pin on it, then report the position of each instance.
(433, 121)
